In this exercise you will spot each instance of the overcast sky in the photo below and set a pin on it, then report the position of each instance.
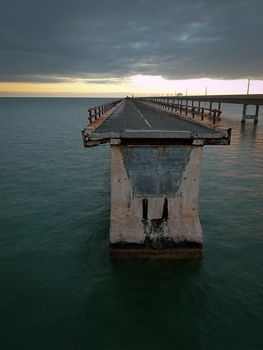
(50, 40)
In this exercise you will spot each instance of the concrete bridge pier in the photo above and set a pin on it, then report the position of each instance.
(246, 116)
(155, 200)
(155, 176)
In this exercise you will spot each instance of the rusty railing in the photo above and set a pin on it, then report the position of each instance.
(98, 111)
(194, 111)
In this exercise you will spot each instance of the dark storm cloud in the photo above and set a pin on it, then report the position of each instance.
(51, 39)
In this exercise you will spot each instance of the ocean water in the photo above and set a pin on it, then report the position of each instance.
(58, 287)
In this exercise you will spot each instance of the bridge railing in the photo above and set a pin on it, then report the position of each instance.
(193, 111)
(98, 111)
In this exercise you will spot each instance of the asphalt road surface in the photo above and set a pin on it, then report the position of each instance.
(137, 115)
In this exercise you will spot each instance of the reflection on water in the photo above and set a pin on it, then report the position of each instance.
(59, 288)
(245, 127)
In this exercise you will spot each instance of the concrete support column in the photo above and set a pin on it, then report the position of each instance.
(256, 114)
(155, 201)
(210, 106)
(244, 114)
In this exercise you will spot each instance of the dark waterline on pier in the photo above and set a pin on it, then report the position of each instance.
(58, 287)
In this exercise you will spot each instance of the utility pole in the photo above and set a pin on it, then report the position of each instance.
(248, 86)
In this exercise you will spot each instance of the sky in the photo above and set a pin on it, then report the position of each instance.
(141, 47)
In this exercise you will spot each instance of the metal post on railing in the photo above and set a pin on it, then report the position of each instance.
(256, 114)
(90, 117)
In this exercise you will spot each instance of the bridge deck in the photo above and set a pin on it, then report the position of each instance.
(136, 115)
(134, 119)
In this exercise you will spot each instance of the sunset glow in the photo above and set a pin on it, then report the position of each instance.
(137, 85)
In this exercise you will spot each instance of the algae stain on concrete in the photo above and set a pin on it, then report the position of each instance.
(155, 171)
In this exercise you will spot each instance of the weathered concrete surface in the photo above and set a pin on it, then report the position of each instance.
(155, 201)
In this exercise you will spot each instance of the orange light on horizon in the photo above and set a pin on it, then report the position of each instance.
(137, 85)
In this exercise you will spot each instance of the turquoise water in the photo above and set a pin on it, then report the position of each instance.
(58, 287)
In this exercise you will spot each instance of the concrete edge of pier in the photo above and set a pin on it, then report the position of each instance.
(220, 138)
(176, 254)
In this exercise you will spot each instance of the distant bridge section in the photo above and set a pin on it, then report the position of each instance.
(256, 99)
(193, 101)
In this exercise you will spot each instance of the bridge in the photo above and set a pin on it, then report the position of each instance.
(191, 101)
(156, 155)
